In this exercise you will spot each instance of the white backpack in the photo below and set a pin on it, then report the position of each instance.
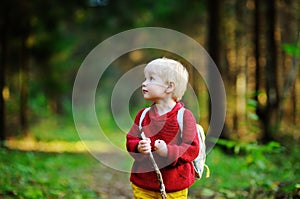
(199, 161)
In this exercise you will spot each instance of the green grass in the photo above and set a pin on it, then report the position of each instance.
(257, 171)
(276, 175)
(45, 175)
(66, 175)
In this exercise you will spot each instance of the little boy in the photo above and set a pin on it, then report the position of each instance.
(165, 83)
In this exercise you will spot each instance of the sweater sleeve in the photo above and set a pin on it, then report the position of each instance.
(188, 149)
(133, 139)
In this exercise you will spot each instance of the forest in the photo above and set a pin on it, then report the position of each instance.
(49, 148)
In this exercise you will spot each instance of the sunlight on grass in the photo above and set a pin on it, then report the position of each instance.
(31, 144)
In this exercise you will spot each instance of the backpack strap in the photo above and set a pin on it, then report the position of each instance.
(201, 132)
(180, 123)
(180, 119)
(142, 117)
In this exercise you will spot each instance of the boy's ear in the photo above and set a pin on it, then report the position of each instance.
(171, 87)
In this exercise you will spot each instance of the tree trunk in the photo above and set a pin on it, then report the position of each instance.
(3, 56)
(272, 74)
(267, 56)
(290, 35)
(214, 43)
(214, 49)
(240, 75)
(24, 70)
(2, 86)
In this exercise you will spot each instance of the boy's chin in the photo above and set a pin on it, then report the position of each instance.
(148, 98)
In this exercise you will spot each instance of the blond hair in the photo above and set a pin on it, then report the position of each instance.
(169, 71)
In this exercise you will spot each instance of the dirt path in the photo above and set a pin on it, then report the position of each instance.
(110, 183)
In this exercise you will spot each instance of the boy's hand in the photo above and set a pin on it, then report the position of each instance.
(144, 146)
(160, 147)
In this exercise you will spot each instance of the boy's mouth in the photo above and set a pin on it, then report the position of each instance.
(144, 91)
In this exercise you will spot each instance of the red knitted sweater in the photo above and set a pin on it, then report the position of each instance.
(177, 169)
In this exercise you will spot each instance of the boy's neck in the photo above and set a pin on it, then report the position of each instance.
(165, 107)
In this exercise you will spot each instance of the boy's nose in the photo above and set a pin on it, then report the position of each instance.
(144, 83)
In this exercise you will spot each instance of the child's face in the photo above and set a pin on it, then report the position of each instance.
(154, 88)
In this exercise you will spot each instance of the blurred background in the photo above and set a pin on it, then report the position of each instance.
(254, 43)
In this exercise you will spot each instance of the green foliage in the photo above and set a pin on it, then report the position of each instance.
(53, 128)
(252, 171)
(251, 108)
(250, 148)
(292, 49)
(256, 171)
(38, 175)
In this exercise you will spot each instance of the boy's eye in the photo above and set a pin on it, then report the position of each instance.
(151, 78)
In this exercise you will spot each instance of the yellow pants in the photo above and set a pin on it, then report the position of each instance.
(140, 193)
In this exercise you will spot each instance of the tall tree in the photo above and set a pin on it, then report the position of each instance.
(215, 44)
(267, 56)
(291, 45)
(240, 68)
(4, 27)
(24, 65)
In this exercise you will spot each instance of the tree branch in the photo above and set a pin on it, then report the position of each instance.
(158, 173)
